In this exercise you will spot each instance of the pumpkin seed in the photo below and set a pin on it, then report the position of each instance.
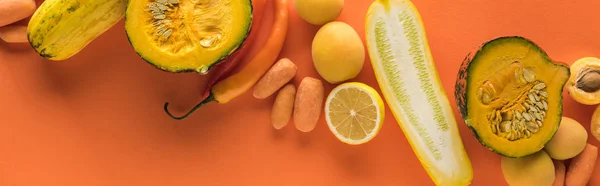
(498, 115)
(509, 136)
(539, 105)
(528, 75)
(161, 16)
(209, 41)
(491, 117)
(514, 126)
(533, 109)
(486, 98)
(518, 115)
(545, 105)
(540, 86)
(532, 127)
(527, 133)
(161, 31)
(167, 33)
(525, 104)
(163, 7)
(538, 116)
(544, 94)
(157, 23)
(527, 116)
(505, 126)
(531, 98)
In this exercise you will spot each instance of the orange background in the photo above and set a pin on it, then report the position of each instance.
(97, 118)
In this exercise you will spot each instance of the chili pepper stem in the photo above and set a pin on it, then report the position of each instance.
(209, 99)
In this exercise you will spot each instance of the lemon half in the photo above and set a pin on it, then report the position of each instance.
(354, 112)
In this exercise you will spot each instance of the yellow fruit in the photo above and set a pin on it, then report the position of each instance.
(532, 170)
(584, 83)
(354, 113)
(318, 12)
(569, 140)
(338, 52)
(595, 124)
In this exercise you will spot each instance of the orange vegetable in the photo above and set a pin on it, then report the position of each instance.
(238, 83)
(12, 11)
(280, 74)
(560, 170)
(14, 33)
(223, 69)
(283, 106)
(582, 166)
(308, 104)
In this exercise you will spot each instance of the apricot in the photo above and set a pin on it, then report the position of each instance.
(568, 141)
(338, 52)
(531, 170)
(318, 12)
(584, 84)
(595, 124)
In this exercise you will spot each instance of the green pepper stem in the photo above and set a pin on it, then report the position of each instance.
(209, 99)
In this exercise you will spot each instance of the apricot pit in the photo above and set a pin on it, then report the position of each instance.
(584, 82)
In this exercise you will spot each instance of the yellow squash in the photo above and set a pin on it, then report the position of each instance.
(61, 28)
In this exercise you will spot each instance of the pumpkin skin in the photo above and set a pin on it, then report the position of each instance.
(182, 36)
(502, 64)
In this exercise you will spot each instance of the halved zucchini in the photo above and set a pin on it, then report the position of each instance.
(406, 73)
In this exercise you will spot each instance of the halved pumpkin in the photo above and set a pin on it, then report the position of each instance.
(509, 92)
(187, 35)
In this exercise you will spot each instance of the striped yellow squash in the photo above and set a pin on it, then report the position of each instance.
(61, 28)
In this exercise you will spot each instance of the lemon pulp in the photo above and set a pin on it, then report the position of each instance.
(354, 112)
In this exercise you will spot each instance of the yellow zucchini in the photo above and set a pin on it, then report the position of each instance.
(61, 28)
(406, 73)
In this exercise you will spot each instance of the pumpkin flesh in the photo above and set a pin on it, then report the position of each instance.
(187, 35)
(510, 95)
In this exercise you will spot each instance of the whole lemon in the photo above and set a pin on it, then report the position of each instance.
(318, 12)
(338, 52)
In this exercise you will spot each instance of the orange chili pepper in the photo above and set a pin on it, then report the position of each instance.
(223, 70)
(236, 84)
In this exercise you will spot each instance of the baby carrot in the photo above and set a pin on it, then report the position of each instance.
(283, 106)
(275, 78)
(560, 171)
(582, 166)
(236, 84)
(12, 11)
(14, 33)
